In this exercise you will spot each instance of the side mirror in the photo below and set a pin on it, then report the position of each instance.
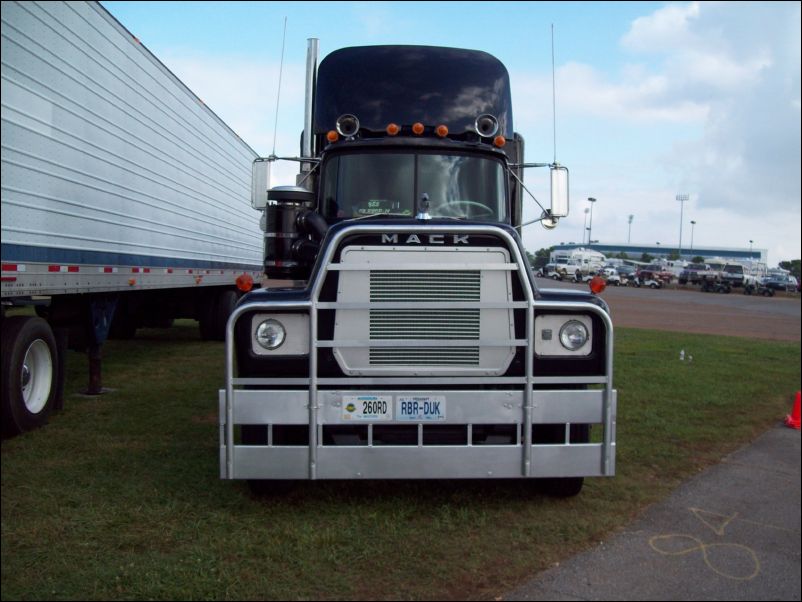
(260, 182)
(559, 191)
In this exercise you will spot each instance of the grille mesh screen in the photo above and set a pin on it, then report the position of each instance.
(424, 324)
(444, 324)
(421, 285)
(427, 356)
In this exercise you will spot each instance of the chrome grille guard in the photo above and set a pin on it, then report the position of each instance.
(518, 264)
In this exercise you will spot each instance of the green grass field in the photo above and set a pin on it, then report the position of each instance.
(119, 497)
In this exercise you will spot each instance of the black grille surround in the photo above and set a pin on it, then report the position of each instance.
(251, 365)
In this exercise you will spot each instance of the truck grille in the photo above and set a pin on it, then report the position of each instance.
(416, 285)
(413, 324)
(402, 282)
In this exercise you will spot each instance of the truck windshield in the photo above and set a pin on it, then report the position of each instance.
(461, 186)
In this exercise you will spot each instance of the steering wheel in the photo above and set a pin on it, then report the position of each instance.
(469, 209)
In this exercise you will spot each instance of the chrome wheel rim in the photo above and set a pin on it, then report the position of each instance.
(36, 376)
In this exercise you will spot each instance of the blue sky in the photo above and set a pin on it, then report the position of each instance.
(653, 99)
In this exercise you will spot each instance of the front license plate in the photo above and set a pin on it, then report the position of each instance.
(420, 408)
(367, 407)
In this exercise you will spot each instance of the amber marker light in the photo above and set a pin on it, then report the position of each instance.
(393, 129)
(417, 128)
(442, 131)
(499, 141)
(245, 282)
(597, 285)
(332, 136)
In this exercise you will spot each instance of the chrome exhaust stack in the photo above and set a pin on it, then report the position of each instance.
(311, 80)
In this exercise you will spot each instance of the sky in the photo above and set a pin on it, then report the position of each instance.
(653, 100)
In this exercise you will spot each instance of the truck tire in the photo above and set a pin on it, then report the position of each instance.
(263, 488)
(226, 301)
(29, 373)
(567, 486)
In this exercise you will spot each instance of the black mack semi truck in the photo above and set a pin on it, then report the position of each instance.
(416, 344)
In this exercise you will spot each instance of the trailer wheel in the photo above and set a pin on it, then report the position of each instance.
(29, 372)
(206, 315)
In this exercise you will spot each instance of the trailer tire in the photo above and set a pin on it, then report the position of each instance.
(29, 373)
(206, 316)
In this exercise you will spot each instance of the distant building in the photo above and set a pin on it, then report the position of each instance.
(634, 251)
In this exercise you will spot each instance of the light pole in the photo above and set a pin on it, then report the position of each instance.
(681, 198)
(629, 230)
(750, 250)
(592, 201)
(585, 226)
(693, 223)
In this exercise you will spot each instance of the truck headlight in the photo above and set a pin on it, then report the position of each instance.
(573, 335)
(270, 334)
(279, 334)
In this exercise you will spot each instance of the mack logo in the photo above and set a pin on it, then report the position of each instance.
(432, 239)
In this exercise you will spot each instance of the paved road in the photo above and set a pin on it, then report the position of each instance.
(730, 533)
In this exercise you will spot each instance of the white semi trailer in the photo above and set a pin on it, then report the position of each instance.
(125, 199)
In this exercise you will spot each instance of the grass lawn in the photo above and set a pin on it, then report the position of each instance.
(119, 496)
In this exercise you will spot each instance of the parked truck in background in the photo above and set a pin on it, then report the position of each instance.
(419, 345)
(125, 200)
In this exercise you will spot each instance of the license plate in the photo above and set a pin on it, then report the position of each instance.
(420, 408)
(367, 407)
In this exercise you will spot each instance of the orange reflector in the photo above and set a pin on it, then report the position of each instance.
(332, 136)
(597, 285)
(245, 282)
(131, 281)
(499, 141)
(417, 128)
(442, 131)
(393, 129)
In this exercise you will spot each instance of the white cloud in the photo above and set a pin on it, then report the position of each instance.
(729, 71)
(664, 30)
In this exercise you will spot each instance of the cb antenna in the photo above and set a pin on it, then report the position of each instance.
(553, 95)
(278, 93)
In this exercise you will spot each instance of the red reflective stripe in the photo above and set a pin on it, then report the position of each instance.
(169, 270)
(146, 270)
(108, 270)
(73, 268)
(54, 268)
(135, 270)
(8, 279)
(9, 267)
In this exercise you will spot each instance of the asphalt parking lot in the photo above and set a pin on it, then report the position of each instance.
(730, 533)
(689, 310)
